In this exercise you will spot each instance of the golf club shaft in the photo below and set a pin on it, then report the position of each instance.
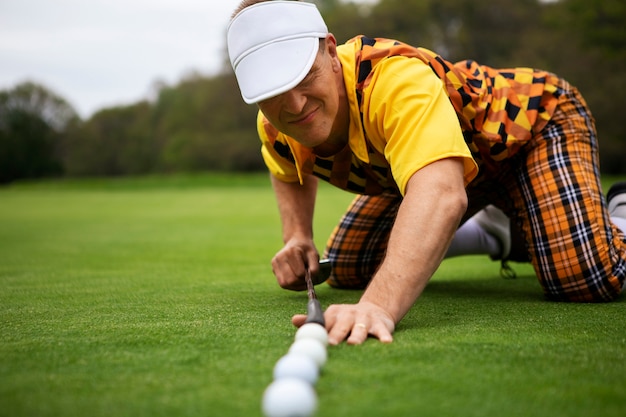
(314, 309)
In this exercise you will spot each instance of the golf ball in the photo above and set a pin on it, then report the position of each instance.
(297, 365)
(312, 348)
(313, 331)
(289, 397)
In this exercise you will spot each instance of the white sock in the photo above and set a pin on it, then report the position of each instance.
(472, 239)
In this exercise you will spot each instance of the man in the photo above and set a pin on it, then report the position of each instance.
(425, 144)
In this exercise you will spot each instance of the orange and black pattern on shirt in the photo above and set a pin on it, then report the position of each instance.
(499, 110)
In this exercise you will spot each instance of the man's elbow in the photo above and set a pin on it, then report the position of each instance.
(459, 204)
(453, 200)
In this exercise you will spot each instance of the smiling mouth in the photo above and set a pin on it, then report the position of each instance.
(306, 119)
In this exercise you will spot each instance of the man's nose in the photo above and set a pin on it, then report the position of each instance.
(294, 101)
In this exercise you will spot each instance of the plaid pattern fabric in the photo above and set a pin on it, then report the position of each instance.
(578, 254)
(358, 244)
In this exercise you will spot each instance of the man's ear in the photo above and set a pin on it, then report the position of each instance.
(330, 44)
(331, 48)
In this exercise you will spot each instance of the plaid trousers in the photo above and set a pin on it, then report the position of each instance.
(550, 189)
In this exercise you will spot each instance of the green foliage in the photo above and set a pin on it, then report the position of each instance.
(601, 24)
(198, 125)
(202, 124)
(114, 141)
(33, 121)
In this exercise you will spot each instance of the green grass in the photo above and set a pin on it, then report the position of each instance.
(154, 297)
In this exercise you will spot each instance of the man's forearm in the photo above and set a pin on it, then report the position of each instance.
(296, 205)
(428, 217)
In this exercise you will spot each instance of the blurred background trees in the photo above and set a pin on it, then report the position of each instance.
(202, 124)
(33, 123)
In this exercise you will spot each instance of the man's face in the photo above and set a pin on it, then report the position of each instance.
(315, 111)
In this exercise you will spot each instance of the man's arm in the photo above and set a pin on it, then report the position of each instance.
(434, 203)
(296, 204)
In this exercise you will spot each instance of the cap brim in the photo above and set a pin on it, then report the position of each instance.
(275, 68)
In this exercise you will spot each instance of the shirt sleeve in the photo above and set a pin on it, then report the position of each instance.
(409, 118)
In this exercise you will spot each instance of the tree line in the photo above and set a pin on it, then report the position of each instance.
(201, 123)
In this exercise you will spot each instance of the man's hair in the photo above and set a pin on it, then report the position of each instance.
(248, 3)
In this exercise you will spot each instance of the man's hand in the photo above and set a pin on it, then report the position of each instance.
(290, 264)
(354, 323)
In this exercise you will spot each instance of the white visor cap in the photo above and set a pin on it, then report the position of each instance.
(272, 46)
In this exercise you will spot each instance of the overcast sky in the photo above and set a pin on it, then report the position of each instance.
(100, 53)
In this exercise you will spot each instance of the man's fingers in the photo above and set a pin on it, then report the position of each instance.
(290, 266)
(313, 262)
(339, 329)
(298, 320)
(358, 334)
(381, 332)
(289, 273)
(354, 323)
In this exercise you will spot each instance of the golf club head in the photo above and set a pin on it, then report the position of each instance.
(324, 272)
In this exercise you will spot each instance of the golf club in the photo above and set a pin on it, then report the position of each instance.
(315, 314)
(324, 272)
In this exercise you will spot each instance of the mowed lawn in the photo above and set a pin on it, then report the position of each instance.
(155, 297)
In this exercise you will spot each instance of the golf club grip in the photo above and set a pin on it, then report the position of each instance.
(315, 314)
